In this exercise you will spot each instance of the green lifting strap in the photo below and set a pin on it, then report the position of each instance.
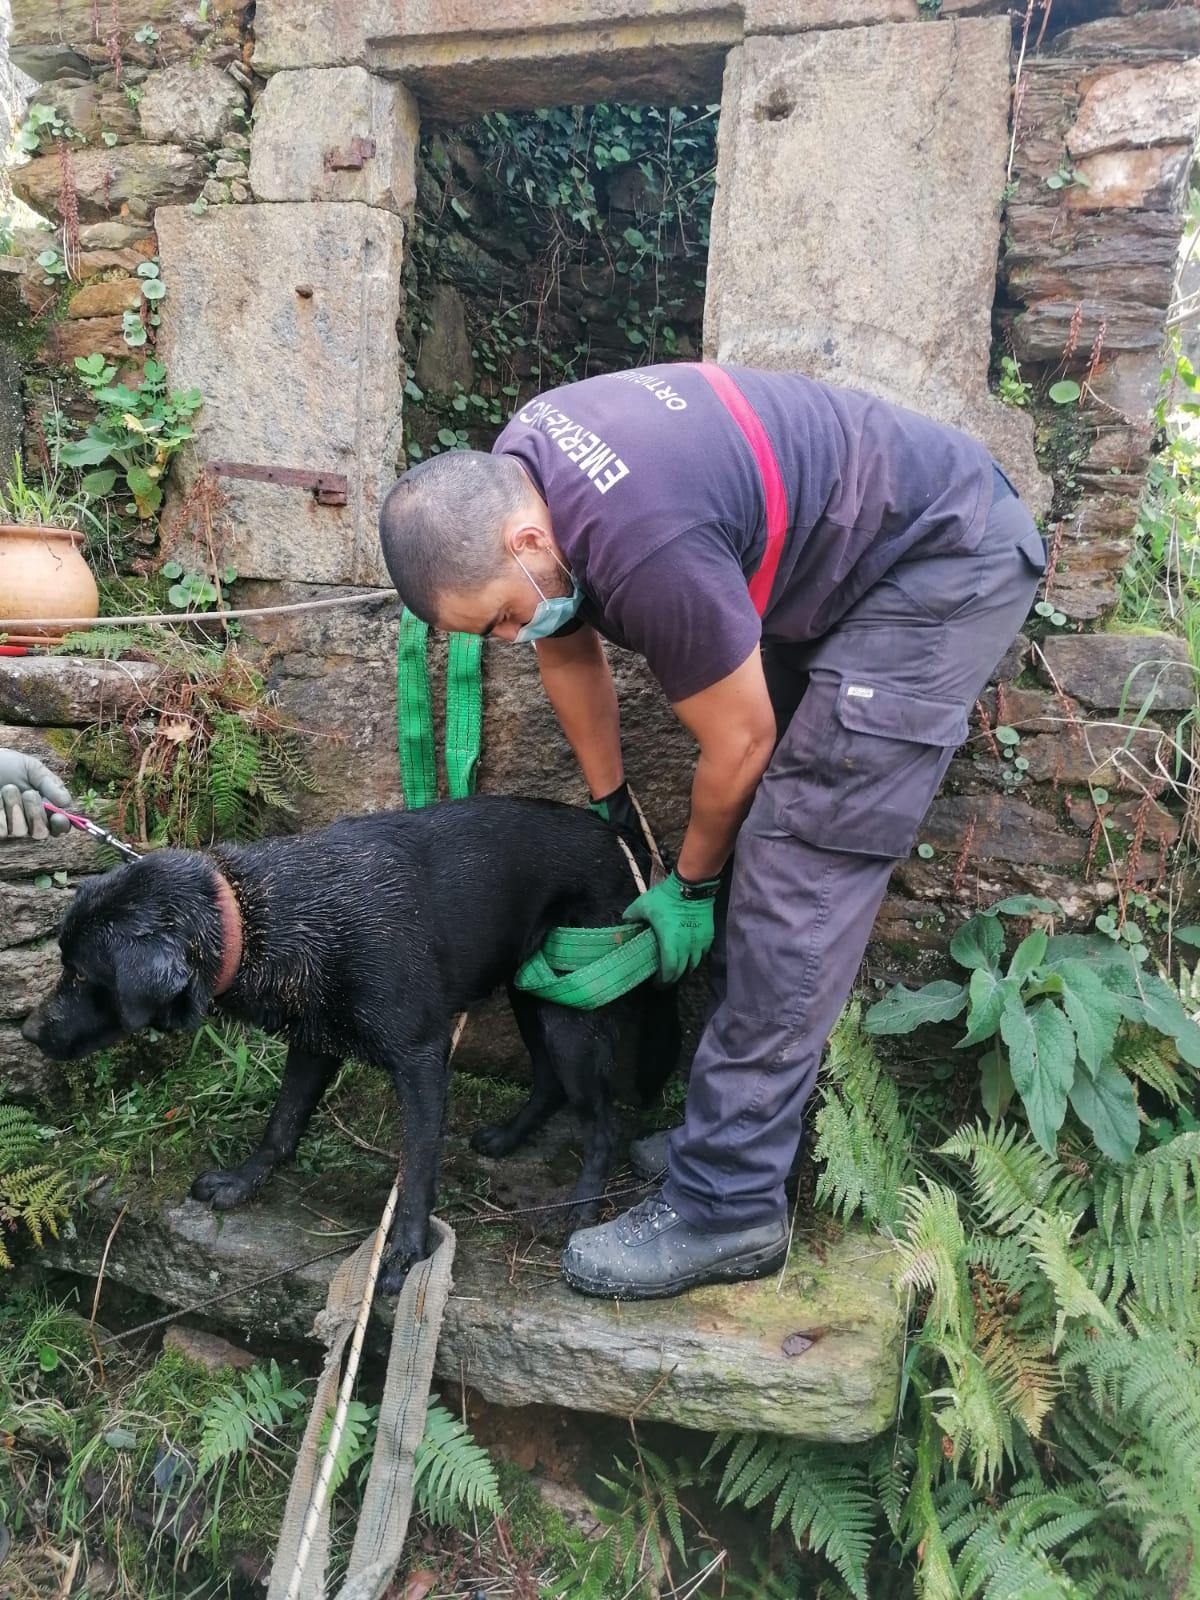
(414, 715)
(579, 967)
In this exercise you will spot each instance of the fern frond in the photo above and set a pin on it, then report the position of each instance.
(933, 1256)
(890, 1470)
(37, 1196)
(1153, 1059)
(1050, 1241)
(451, 1473)
(864, 1138)
(1011, 1175)
(825, 1499)
(1169, 1172)
(357, 1441)
(20, 1137)
(230, 1419)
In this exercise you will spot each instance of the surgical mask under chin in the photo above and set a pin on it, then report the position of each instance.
(549, 614)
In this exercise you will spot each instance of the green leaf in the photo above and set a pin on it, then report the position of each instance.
(1007, 736)
(1029, 954)
(636, 238)
(906, 1009)
(92, 365)
(154, 288)
(925, 851)
(110, 139)
(1093, 1012)
(979, 943)
(120, 1438)
(89, 451)
(1065, 392)
(42, 881)
(619, 153)
(61, 879)
(1041, 1051)
(1106, 1104)
(179, 597)
(1024, 905)
(48, 1358)
(988, 994)
(447, 437)
(148, 269)
(140, 481)
(1188, 935)
(996, 1087)
(459, 209)
(171, 569)
(1043, 608)
(99, 483)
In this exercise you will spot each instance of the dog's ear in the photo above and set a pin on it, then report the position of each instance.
(154, 984)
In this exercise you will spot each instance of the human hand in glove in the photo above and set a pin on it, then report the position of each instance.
(681, 913)
(617, 809)
(24, 783)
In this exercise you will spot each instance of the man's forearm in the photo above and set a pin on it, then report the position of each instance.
(579, 686)
(721, 797)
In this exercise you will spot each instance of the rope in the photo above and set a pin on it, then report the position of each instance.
(174, 618)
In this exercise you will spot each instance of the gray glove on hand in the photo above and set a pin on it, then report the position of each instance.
(24, 783)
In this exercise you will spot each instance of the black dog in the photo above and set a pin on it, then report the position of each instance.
(366, 939)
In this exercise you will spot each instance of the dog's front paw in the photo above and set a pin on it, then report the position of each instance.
(227, 1187)
(405, 1249)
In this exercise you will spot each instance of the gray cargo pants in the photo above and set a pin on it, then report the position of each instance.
(888, 692)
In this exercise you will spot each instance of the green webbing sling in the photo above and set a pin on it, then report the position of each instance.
(579, 967)
(414, 714)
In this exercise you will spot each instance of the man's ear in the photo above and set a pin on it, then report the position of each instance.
(152, 976)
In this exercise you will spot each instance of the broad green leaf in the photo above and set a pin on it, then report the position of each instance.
(140, 481)
(89, 451)
(1067, 390)
(1028, 954)
(1188, 935)
(1106, 1104)
(1163, 1009)
(1093, 1011)
(987, 993)
(1024, 905)
(978, 943)
(906, 1009)
(1041, 1053)
(99, 483)
(996, 1087)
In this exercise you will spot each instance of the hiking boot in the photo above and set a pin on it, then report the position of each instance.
(651, 1252)
(648, 1157)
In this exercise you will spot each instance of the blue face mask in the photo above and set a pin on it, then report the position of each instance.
(549, 615)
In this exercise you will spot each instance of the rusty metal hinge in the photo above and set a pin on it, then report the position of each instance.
(329, 488)
(350, 156)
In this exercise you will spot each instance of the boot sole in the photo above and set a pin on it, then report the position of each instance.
(759, 1264)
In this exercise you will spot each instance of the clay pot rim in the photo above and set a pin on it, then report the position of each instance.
(23, 530)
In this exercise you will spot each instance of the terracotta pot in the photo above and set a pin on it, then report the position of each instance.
(43, 574)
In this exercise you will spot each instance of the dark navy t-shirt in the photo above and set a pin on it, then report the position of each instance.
(657, 503)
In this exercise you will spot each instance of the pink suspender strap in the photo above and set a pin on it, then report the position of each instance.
(774, 494)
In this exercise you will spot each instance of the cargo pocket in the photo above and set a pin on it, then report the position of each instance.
(866, 762)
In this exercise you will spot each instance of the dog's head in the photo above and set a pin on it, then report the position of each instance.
(139, 947)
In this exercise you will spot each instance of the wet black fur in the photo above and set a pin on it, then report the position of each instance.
(366, 939)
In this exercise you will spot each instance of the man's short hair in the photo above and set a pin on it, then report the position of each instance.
(440, 524)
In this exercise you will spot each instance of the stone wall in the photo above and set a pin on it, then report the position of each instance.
(282, 250)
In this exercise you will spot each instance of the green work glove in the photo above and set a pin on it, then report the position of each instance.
(681, 913)
(24, 783)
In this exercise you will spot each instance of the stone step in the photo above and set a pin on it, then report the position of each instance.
(718, 1358)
